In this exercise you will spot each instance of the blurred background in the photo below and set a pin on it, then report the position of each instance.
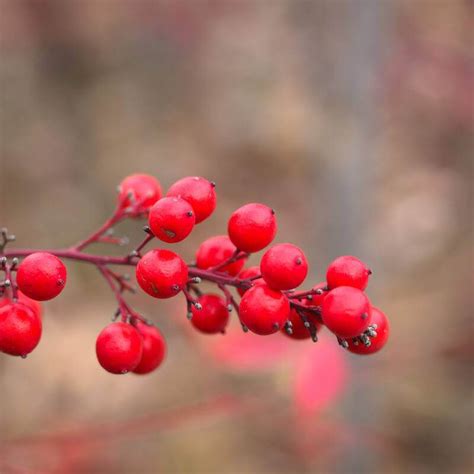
(353, 119)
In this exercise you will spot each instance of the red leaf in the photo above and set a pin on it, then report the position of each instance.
(320, 376)
(247, 351)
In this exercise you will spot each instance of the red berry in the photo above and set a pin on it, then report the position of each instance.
(154, 349)
(377, 342)
(212, 317)
(252, 227)
(348, 271)
(249, 273)
(199, 192)
(138, 192)
(284, 267)
(41, 276)
(171, 219)
(299, 330)
(263, 310)
(32, 304)
(119, 348)
(162, 273)
(20, 329)
(215, 250)
(346, 311)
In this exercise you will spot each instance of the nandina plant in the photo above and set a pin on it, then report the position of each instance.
(269, 302)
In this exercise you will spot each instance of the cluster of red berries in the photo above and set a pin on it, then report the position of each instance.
(269, 300)
(40, 276)
(137, 347)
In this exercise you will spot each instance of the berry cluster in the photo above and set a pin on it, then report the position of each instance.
(269, 301)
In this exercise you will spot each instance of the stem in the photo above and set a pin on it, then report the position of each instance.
(237, 255)
(301, 294)
(125, 310)
(117, 216)
(314, 310)
(130, 260)
(149, 237)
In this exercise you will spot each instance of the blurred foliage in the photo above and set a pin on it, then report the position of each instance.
(352, 119)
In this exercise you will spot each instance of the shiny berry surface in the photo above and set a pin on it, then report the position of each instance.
(41, 276)
(284, 267)
(215, 250)
(249, 273)
(263, 310)
(199, 192)
(213, 317)
(346, 311)
(252, 227)
(348, 271)
(154, 349)
(32, 304)
(171, 219)
(377, 342)
(20, 329)
(119, 348)
(138, 192)
(161, 273)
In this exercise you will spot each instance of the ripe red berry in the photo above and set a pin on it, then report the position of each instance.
(171, 219)
(377, 342)
(284, 267)
(249, 273)
(119, 348)
(199, 192)
(263, 310)
(299, 330)
(20, 329)
(154, 349)
(138, 192)
(213, 317)
(252, 227)
(32, 304)
(348, 271)
(41, 276)
(215, 250)
(162, 273)
(346, 311)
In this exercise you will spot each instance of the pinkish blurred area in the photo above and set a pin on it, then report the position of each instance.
(354, 120)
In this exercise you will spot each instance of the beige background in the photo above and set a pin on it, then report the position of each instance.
(353, 119)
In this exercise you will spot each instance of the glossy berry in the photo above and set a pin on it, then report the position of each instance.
(284, 267)
(299, 330)
(20, 329)
(41, 276)
(138, 192)
(154, 349)
(213, 317)
(348, 271)
(199, 192)
(346, 311)
(119, 348)
(32, 304)
(252, 227)
(263, 310)
(171, 219)
(215, 250)
(162, 273)
(376, 343)
(249, 273)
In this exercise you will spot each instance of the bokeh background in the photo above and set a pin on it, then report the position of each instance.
(353, 119)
